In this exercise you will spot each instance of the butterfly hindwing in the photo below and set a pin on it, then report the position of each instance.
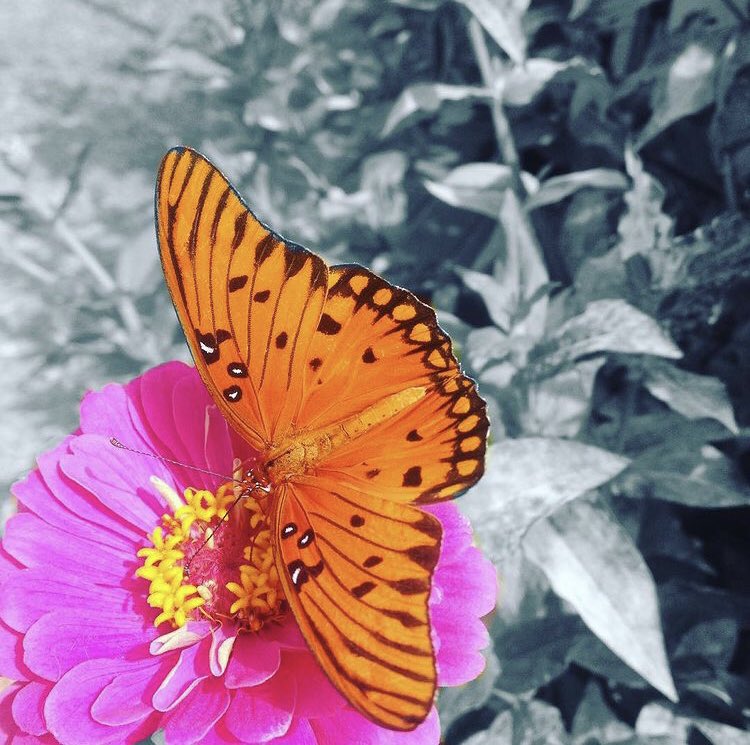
(374, 340)
(357, 574)
(248, 301)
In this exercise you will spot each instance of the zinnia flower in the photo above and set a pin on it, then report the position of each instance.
(107, 640)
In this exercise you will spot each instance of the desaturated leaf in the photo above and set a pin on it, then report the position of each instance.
(594, 721)
(502, 21)
(718, 11)
(688, 88)
(455, 702)
(138, 269)
(499, 305)
(693, 396)
(589, 652)
(658, 720)
(713, 641)
(527, 479)
(478, 187)
(484, 345)
(721, 734)
(606, 326)
(592, 563)
(578, 8)
(644, 226)
(426, 98)
(535, 651)
(500, 731)
(691, 473)
(558, 188)
(556, 406)
(523, 82)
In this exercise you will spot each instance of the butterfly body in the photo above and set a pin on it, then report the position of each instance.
(349, 392)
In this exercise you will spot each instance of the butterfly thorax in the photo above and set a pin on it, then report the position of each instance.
(300, 454)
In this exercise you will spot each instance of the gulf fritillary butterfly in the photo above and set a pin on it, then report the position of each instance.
(350, 392)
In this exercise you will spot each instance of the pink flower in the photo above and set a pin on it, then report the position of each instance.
(77, 633)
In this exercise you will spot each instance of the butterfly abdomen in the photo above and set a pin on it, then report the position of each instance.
(304, 452)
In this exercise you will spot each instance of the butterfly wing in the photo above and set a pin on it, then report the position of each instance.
(248, 301)
(357, 578)
(374, 340)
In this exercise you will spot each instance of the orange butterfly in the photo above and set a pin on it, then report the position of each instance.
(350, 392)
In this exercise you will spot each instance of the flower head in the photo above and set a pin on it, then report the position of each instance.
(138, 594)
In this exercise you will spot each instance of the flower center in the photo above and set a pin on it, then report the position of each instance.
(212, 559)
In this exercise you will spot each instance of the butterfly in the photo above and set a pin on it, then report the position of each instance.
(351, 394)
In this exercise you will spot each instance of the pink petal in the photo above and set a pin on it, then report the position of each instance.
(470, 585)
(36, 497)
(189, 669)
(254, 660)
(68, 707)
(287, 634)
(118, 479)
(36, 544)
(28, 708)
(11, 655)
(220, 652)
(458, 658)
(300, 733)
(456, 529)
(316, 695)
(127, 698)
(8, 726)
(197, 714)
(30, 593)
(263, 712)
(350, 726)
(75, 639)
(108, 412)
(8, 565)
(152, 399)
(74, 499)
(218, 453)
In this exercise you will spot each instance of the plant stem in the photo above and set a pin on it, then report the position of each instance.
(499, 120)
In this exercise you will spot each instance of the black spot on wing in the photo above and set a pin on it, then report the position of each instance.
(237, 283)
(328, 325)
(413, 477)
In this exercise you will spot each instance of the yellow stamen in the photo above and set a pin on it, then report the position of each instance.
(196, 515)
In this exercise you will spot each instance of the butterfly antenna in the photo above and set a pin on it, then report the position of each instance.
(213, 531)
(116, 443)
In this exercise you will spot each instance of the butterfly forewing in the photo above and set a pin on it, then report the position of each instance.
(357, 574)
(248, 301)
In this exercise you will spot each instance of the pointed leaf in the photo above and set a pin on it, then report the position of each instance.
(606, 326)
(592, 563)
(426, 98)
(558, 188)
(693, 396)
(502, 21)
(526, 480)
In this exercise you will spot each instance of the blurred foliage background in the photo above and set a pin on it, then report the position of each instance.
(563, 180)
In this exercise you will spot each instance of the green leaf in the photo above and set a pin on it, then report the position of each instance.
(502, 21)
(558, 188)
(426, 98)
(456, 701)
(693, 396)
(592, 563)
(527, 479)
(478, 187)
(606, 326)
